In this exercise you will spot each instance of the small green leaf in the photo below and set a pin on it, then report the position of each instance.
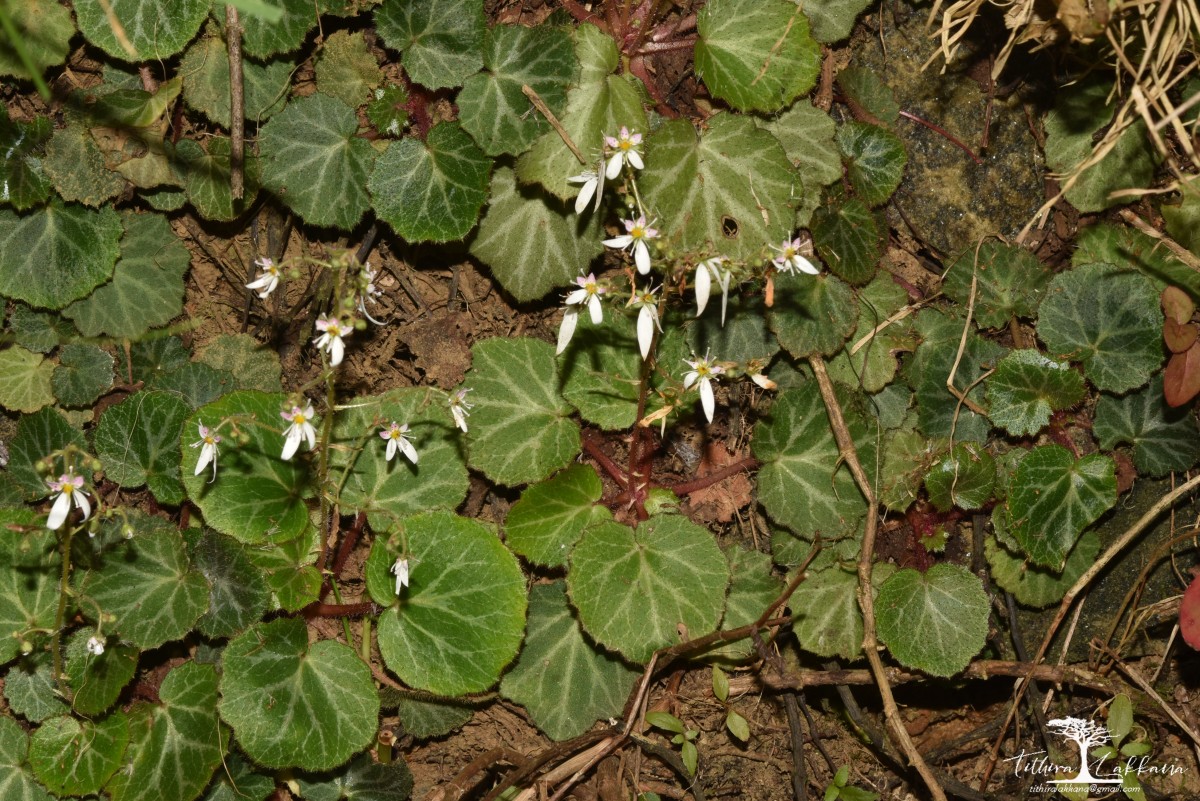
(737, 726)
(30, 690)
(16, 780)
(664, 721)
(1027, 387)
(601, 374)
(564, 681)
(1036, 586)
(828, 620)
(934, 621)
(176, 744)
(253, 365)
(364, 779)
(151, 358)
(25, 380)
(441, 43)
(207, 181)
(691, 757)
(390, 490)
(1070, 139)
(863, 86)
(263, 37)
(147, 584)
(800, 483)
(939, 412)
(549, 518)
(73, 757)
(848, 238)
(599, 103)
(460, 621)
(291, 703)
(752, 588)
(315, 162)
(531, 242)
(45, 30)
(1052, 498)
(346, 69)
(907, 457)
(238, 782)
(426, 719)
(137, 441)
(388, 111)
(431, 190)
(257, 496)
(720, 684)
(755, 54)
(23, 181)
(812, 314)
(699, 185)
(153, 32)
(875, 159)
(965, 478)
(1010, 282)
(1107, 318)
(808, 137)
(521, 430)
(832, 20)
(1107, 243)
(39, 435)
(492, 106)
(74, 162)
(97, 681)
(205, 71)
(288, 567)
(147, 285)
(1120, 718)
(237, 595)
(40, 332)
(81, 244)
(634, 588)
(1163, 439)
(874, 365)
(84, 373)
(195, 382)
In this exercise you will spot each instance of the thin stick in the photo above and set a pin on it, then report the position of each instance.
(541, 106)
(1177, 250)
(118, 29)
(1148, 689)
(866, 564)
(237, 102)
(962, 346)
(980, 670)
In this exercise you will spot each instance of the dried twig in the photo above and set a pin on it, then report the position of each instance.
(541, 106)
(237, 103)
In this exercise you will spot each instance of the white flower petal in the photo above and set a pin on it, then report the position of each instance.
(59, 511)
(635, 158)
(614, 166)
(206, 455)
(690, 379)
(337, 350)
(595, 310)
(81, 500)
(566, 330)
(641, 257)
(622, 241)
(407, 449)
(309, 432)
(291, 442)
(585, 194)
(804, 265)
(645, 329)
(706, 398)
(723, 279)
(703, 287)
(391, 449)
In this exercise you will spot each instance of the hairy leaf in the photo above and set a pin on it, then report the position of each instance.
(934, 621)
(550, 517)
(441, 43)
(153, 31)
(1010, 282)
(1164, 439)
(1027, 387)
(137, 441)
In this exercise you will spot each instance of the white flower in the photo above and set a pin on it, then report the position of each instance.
(397, 441)
(266, 282)
(95, 645)
(704, 371)
(400, 568)
(790, 259)
(70, 490)
(301, 428)
(332, 332)
(593, 186)
(624, 146)
(208, 450)
(635, 238)
(647, 318)
(566, 329)
(369, 292)
(459, 408)
(589, 293)
(705, 272)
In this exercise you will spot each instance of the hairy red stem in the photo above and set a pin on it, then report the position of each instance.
(707, 480)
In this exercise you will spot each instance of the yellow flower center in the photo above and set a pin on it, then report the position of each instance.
(638, 232)
(625, 144)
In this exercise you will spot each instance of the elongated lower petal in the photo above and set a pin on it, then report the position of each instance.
(595, 310)
(635, 158)
(614, 166)
(81, 500)
(703, 287)
(59, 512)
(645, 329)
(408, 450)
(337, 350)
(706, 398)
(641, 257)
(566, 330)
(206, 455)
(291, 443)
(585, 196)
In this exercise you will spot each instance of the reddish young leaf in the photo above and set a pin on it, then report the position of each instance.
(1181, 379)
(1189, 614)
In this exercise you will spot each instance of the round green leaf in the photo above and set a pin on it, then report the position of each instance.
(601, 373)
(38, 435)
(257, 496)
(696, 185)
(263, 37)
(76, 165)
(150, 358)
(755, 54)
(205, 71)
(1107, 318)
(492, 106)
(81, 244)
(45, 30)
(137, 441)
(828, 619)
(808, 137)
(154, 28)
(364, 779)
(564, 681)
(875, 159)
(293, 704)
(800, 483)
(425, 719)
(207, 179)
(634, 588)
(25, 380)
(346, 69)
(40, 332)
(460, 621)
(1163, 439)
(237, 595)
(752, 588)
(84, 373)
(175, 744)
(73, 757)
(148, 585)
(16, 780)
(812, 314)
(531, 242)
(253, 365)
(237, 781)
(521, 430)
(1034, 585)
(195, 382)
(1027, 387)
(934, 621)
(874, 365)
(862, 85)
(30, 690)
(939, 412)
(965, 478)
(848, 239)
(289, 569)
(147, 285)
(1052, 498)
(431, 190)
(314, 161)
(385, 490)
(97, 681)
(1009, 282)
(832, 21)
(24, 181)
(441, 42)
(549, 518)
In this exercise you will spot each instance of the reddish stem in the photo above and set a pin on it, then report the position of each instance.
(318, 609)
(681, 25)
(580, 13)
(339, 561)
(666, 47)
(593, 449)
(951, 138)
(707, 480)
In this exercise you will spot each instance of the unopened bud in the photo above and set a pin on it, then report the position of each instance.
(26, 647)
